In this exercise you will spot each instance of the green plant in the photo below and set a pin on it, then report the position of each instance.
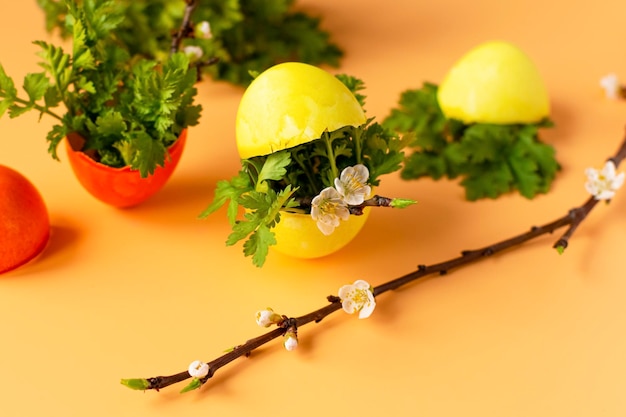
(127, 108)
(245, 35)
(491, 159)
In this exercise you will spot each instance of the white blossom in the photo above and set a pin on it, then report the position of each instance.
(267, 317)
(358, 297)
(198, 369)
(327, 209)
(203, 30)
(352, 184)
(603, 184)
(610, 84)
(193, 51)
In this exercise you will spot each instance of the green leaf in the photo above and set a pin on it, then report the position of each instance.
(150, 153)
(54, 137)
(274, 168)
(57, 63)
(258, 244)
(262, 214)
(82, 84)
(125, 156)
(418, 112)
(424, 164)
(242, 229)
(383, 151)
(52, 97)
(491, 182)
(193, 385)
(36, 85)
(17, 110)
(402, 203)
(54, 12)
(229, 190)
(110, 124)
(141, 384)
(560, 249)
(83, 59)
(8, 92)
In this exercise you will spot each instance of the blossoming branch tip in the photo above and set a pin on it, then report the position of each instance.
(602, 184)
(358, 297)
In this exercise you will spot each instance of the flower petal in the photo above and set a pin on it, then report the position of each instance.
(326, 228)
(362, 284)
(367, 310)
(605, 195)
(619, 180)
(345, 290)
(348, 306)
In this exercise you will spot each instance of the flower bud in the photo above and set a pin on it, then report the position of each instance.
(198, 369)
(203, 30)
(267, 317)
(291, 340)
(194, 52)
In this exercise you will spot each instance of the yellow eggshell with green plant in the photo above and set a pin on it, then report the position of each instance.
(285, 106)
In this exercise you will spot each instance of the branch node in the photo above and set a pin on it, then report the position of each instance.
(421, 268)
(289, 323)
(333, 299)
(154, 383)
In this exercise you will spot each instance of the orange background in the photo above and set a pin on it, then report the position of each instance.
(144, 291)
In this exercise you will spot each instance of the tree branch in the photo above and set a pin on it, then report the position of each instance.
(304, 203)
(573, 219)
(186, 28)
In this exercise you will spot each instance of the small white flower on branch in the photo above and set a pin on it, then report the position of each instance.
(291, 340)
(194, 52)
(203, 30)
(358, 297)
(603, 184)
(610, 84)
(327, 209)
(267, 317)
(198, 369)
(352, 184)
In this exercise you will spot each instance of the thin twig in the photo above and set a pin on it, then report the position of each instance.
(304, 204)
(186, 28)
(186, 31)
(572, 219)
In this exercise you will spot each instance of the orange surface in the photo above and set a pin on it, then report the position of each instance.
(144, 291)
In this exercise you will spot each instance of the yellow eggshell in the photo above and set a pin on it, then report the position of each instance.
(290, 104)
(495, 83)
(297, 235)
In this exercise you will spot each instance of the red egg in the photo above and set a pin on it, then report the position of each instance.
(24, 220)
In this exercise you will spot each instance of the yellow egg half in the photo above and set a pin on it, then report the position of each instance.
(290, 104)
(497, 83)
(297, 235)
